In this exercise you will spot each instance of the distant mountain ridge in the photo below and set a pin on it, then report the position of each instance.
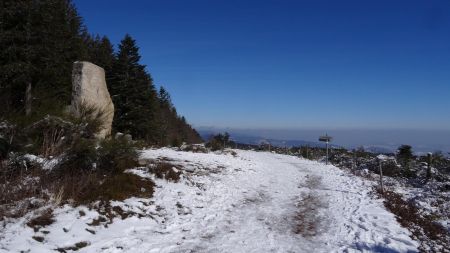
(256, 140)
(372, 140)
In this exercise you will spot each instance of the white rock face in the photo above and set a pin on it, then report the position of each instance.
(89, 90)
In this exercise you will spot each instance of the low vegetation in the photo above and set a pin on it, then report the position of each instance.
(415, 190)
(165, 170)
(121, 186)
(42, 220)
(66, 165)
(49, 155)
(424, 227)
(219, 142)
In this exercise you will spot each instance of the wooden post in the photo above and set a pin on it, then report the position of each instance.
(28, 99)
(325, 138)
(354, 160)
(429, 161)
(381, 177)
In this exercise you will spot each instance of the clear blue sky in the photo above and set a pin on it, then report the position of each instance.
(292, 64)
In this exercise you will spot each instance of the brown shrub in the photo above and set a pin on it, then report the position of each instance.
(120, 187)
(76, 188)
(19, 189)
(88, 187)
(23, 191)
(168, 171)
(116, 187)
(43, 220)
(422, 226)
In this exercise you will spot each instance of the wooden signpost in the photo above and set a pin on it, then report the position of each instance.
(265, 142)
(327, 139)
(381, 158)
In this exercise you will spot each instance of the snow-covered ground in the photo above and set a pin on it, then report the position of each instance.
(251, 202)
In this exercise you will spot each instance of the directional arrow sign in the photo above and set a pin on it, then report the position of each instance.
(325, 138)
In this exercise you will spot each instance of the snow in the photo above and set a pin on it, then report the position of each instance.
(383, 157)
(46, 163)
(251, 202)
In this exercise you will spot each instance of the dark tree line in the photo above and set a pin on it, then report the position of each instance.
(40, 40)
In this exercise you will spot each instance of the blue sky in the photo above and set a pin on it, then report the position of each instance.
(292, 64)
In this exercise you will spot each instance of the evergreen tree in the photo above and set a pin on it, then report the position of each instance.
(173, 129)
(40, 40)
(133, 94)
(101, 52)
(405, 155)
(15, 67)
(165, 117)
(164, 98)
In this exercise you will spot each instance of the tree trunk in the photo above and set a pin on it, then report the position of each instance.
(28, 99)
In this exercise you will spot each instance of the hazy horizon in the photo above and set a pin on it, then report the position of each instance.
(422, 140)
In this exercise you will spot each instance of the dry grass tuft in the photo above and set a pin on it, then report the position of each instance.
(46, 218)
(168, 171)
(112, 187)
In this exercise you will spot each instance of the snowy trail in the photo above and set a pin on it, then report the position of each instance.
(254, 202)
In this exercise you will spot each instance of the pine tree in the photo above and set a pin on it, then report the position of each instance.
(405, 155)
(40, 41)
(101, 52)
(133, 94)
(174, 129)
(164, 98)
(15, 54)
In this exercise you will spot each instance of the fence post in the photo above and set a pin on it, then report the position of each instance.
(353, 160)
(381, 177)
(429, 161)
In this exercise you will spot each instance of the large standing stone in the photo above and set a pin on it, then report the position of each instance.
(89, 90)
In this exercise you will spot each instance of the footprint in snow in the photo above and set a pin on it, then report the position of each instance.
(363, 227)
